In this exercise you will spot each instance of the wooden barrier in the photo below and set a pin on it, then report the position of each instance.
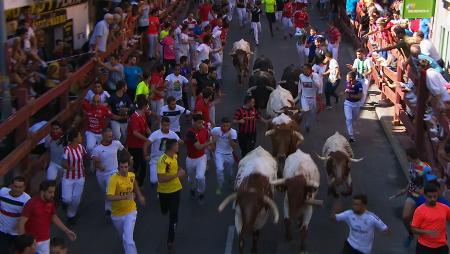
(19, 122)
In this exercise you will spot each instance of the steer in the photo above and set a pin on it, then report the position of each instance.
(337, 154)
(301, 180)
(280, 101)
(283, 131)
(254, 195)
(241, 53)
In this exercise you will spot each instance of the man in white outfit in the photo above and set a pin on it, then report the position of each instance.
(231, 6)
(353, 94)
(241, 11)
(104, 156)
(309, 88)
(363, 68)
(256, 21)
(225, 139)
(157, 140)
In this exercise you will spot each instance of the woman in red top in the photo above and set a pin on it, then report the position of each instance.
(152, 34)
(157, 85)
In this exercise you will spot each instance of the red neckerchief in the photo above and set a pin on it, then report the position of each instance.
(56, 136)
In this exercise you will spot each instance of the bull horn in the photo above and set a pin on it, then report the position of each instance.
(356, 160)
(251, 89)
(314, 202)
(323, 158)
(269, 132)
(273, 207)
(278, 182)
(270, 88)
(227, 200)
(299, 135)
(255, 70)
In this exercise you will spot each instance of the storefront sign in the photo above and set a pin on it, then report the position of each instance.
(51, 19)
(413, 9)
(39, 7)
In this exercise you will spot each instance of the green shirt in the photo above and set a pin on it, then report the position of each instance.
(142, 88)
(163, 34)
(269, 5)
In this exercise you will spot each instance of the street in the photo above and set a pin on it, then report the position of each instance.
(202, 230)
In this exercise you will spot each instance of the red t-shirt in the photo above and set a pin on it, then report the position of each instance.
(96, 117)
(157, 83)
(432, 218)
(39, 214)
(203, 108)
(300, 19)
(287, 10)
(192, 136)
(299, 6)
(204, 11)
(414, 25)
(168, 48)
(333, 35)
(153, 25)
(137, 123)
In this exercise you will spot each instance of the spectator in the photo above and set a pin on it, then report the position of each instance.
(142, 88)
(97, 89)
(168, 46)
(429, 223)
(427, 48)
(143, 21)
(58, 246)
(25, 244)
(38, 215)
(12, 201)
(133, 74)
(99, 38)
(416, 55)
(436, 84)
(152, 34)
(350, 8)
(115, 69)
(120, 104)
(425, 27)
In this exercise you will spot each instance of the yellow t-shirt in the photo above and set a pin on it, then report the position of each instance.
(142, 88)
(168, 165)
(121, 185)
(269, 6)
(163, 34)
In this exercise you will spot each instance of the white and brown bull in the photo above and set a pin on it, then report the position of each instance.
(281, 101)
(254, 195)
(301, 181)
(338, 154)
(241, 53)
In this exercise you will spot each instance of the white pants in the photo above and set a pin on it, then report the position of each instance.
(351, 112)
(256, 26)
(43, 247)
(152, 43)
(53, 170)
(231, 6)
(72, 190)
(242, 15)
(125, 227)
(156, 106)
(334, 48)
(92, 140)
(278, 15)
(287, 25)
(223, 161)
(153, 171)
(196, 169)
(310, 106)
(365, 85)
(103, 179)
(119, 130)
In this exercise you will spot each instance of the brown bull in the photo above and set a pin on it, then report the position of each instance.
(241, 63)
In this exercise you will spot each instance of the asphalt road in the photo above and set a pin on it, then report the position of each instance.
(203, 230)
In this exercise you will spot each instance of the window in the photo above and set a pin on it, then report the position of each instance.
(443, 43)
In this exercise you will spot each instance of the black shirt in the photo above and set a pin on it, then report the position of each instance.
(256, 14)
(203, 81)
(117, 103)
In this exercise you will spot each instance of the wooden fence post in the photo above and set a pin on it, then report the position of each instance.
(422, 95)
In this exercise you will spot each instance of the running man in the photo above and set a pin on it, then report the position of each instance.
(175, 84)
(256, 21)
(352, 104)
(309, 87)
(286, 19)
(122, 190)
(173, 111)
(197, 140)
(241, 11)
(363, 68)
(169, 187)
(54, 143)
(269, 7)
(225, 139)
(362, 224)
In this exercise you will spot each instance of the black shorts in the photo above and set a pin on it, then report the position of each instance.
(348, 249)
(142, 29)
(270, 16)
(421, 249)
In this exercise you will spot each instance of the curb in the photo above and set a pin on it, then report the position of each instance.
(395, 144)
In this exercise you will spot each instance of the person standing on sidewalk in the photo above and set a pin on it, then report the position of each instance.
(121, 191)
(362, 224)
(138, 130)
(352, 105)
(169, 186)
(256, 21)
(269, 7)
(333, 80)
(309, 87)
(38, 215)
(12, 201)
(429, 223)
(105, 161)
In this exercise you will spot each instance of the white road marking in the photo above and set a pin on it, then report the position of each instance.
(230, 239)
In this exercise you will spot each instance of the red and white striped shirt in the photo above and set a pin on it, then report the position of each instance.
(74, 157)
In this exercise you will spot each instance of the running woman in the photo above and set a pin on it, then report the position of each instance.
(54, 143)
(105, 162)
(225, 139)
(169, 187)
(197, 139)
(122, 190)
(72, 183)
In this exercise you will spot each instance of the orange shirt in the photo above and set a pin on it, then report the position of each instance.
(153, 25)
(432, 218)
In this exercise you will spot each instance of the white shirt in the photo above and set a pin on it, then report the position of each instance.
(158, 139)
(319, 69)
(309, 86)
(362, 67)
(108, 156)
(333, 66)
(435, 82)
(203, 52)
(101, 30)
(175, 85)
(143, 18)
(182, 45)
(362, 229)
(174, 116)
(103, 97)
(223, 142)
(427, 48)
(13, 206)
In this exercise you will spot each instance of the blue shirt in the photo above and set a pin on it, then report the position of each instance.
(350, 6)
(432, 62)
(132, 76)
(312, 48)
(425, 27)
(354, 90)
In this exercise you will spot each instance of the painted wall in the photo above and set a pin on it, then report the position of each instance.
(441, 30)
(80, 15)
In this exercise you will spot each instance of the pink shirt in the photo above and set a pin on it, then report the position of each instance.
(168, 47)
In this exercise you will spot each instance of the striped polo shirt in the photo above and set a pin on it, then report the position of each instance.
(74, 157)
(10, 210)
(250, 116)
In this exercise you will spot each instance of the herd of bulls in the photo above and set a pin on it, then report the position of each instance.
(259, 175)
